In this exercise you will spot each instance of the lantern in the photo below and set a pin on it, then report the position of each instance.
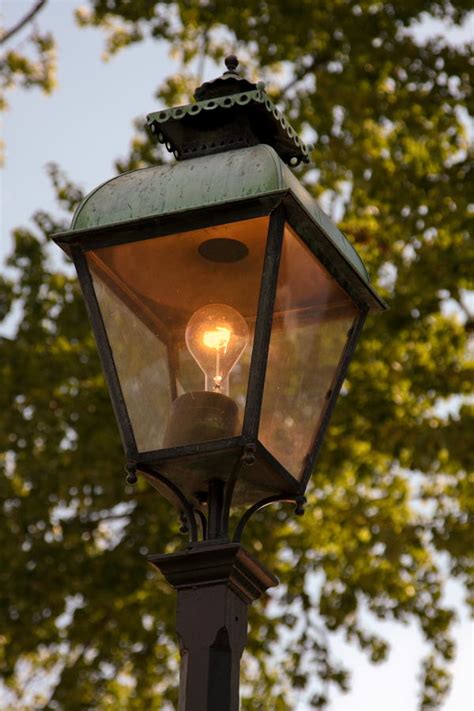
(225, 304)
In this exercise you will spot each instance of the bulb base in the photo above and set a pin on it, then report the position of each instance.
(201, 417)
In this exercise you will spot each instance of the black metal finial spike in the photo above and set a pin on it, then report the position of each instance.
(231, 62)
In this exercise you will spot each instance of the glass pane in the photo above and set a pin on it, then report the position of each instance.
(311, 321)
(141, 360)
(180, 315)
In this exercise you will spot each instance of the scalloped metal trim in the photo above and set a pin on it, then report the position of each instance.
(259, 96)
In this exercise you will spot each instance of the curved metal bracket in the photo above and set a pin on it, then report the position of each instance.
(179, 499)
(299, 510)
(184, 524)
(203, 522)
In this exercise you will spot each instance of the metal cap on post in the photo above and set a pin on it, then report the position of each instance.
(215, 585)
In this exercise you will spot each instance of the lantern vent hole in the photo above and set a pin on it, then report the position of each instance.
(223, 250)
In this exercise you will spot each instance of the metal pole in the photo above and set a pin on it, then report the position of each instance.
(215, 504)
(215, 583)
(211, 624)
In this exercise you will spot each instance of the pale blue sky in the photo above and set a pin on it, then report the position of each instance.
(84, 126)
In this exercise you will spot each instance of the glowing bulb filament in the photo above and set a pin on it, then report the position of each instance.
(218, 339)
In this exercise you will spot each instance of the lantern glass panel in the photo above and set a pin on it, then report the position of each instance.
(312, 317)
(180, 312)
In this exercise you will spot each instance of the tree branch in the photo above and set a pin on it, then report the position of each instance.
(303, 71)
(24, 21)
(202, 57)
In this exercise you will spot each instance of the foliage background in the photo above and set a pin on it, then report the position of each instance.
(389, 507)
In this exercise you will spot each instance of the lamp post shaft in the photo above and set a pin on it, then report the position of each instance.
(212, 631)
(216, 581)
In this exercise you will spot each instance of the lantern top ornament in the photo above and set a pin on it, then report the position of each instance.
(230, 112)
(231, 82)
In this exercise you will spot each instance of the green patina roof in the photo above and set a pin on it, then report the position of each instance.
(197, 182)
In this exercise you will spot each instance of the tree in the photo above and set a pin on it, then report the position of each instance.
(26, 61)
(389, 507)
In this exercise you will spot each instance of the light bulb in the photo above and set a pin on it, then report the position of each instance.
(216, 337)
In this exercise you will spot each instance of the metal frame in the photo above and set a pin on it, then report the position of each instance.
(188, 450)
(263, 325)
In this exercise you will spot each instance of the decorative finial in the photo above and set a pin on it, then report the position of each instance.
(231, 82)
(300, 502)
(131, 477)
(231, 62)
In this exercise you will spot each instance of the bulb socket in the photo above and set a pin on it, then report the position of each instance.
(201, 417)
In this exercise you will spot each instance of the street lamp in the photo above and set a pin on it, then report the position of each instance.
(226, 307)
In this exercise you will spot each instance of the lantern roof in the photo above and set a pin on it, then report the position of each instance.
(200, 182)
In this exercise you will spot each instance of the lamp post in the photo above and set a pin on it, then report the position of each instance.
(226, 307)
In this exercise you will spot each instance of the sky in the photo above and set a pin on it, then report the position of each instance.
(84, 126)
